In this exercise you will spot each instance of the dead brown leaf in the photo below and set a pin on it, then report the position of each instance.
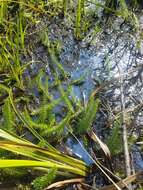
(103, 146)
(65, 182)
(123, 183)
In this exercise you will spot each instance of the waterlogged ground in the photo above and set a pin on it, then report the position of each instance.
(97, 63)
(101, 60)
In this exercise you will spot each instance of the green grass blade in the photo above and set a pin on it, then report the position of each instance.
(38, 153)
(32, 163)
(28, 149)
(11, 137)
(8, 115)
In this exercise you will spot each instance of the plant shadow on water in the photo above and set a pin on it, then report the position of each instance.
(58, 59)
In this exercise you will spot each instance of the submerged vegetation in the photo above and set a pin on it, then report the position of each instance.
(39, 110)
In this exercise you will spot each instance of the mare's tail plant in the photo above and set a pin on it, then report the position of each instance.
(79, 15)
(88, 115)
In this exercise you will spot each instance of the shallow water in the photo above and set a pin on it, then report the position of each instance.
(95, 61)
(114, 54)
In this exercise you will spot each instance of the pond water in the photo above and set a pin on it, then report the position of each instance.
(114, 53)
(101, 60)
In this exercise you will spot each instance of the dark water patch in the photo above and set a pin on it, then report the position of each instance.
(137, 158)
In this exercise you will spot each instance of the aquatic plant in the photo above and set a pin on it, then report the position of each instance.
(79, 15)
(43, 181)
(22, 112)
(114, 141)
(88, 115)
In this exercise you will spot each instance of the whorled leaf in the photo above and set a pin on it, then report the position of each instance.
(88, 115)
